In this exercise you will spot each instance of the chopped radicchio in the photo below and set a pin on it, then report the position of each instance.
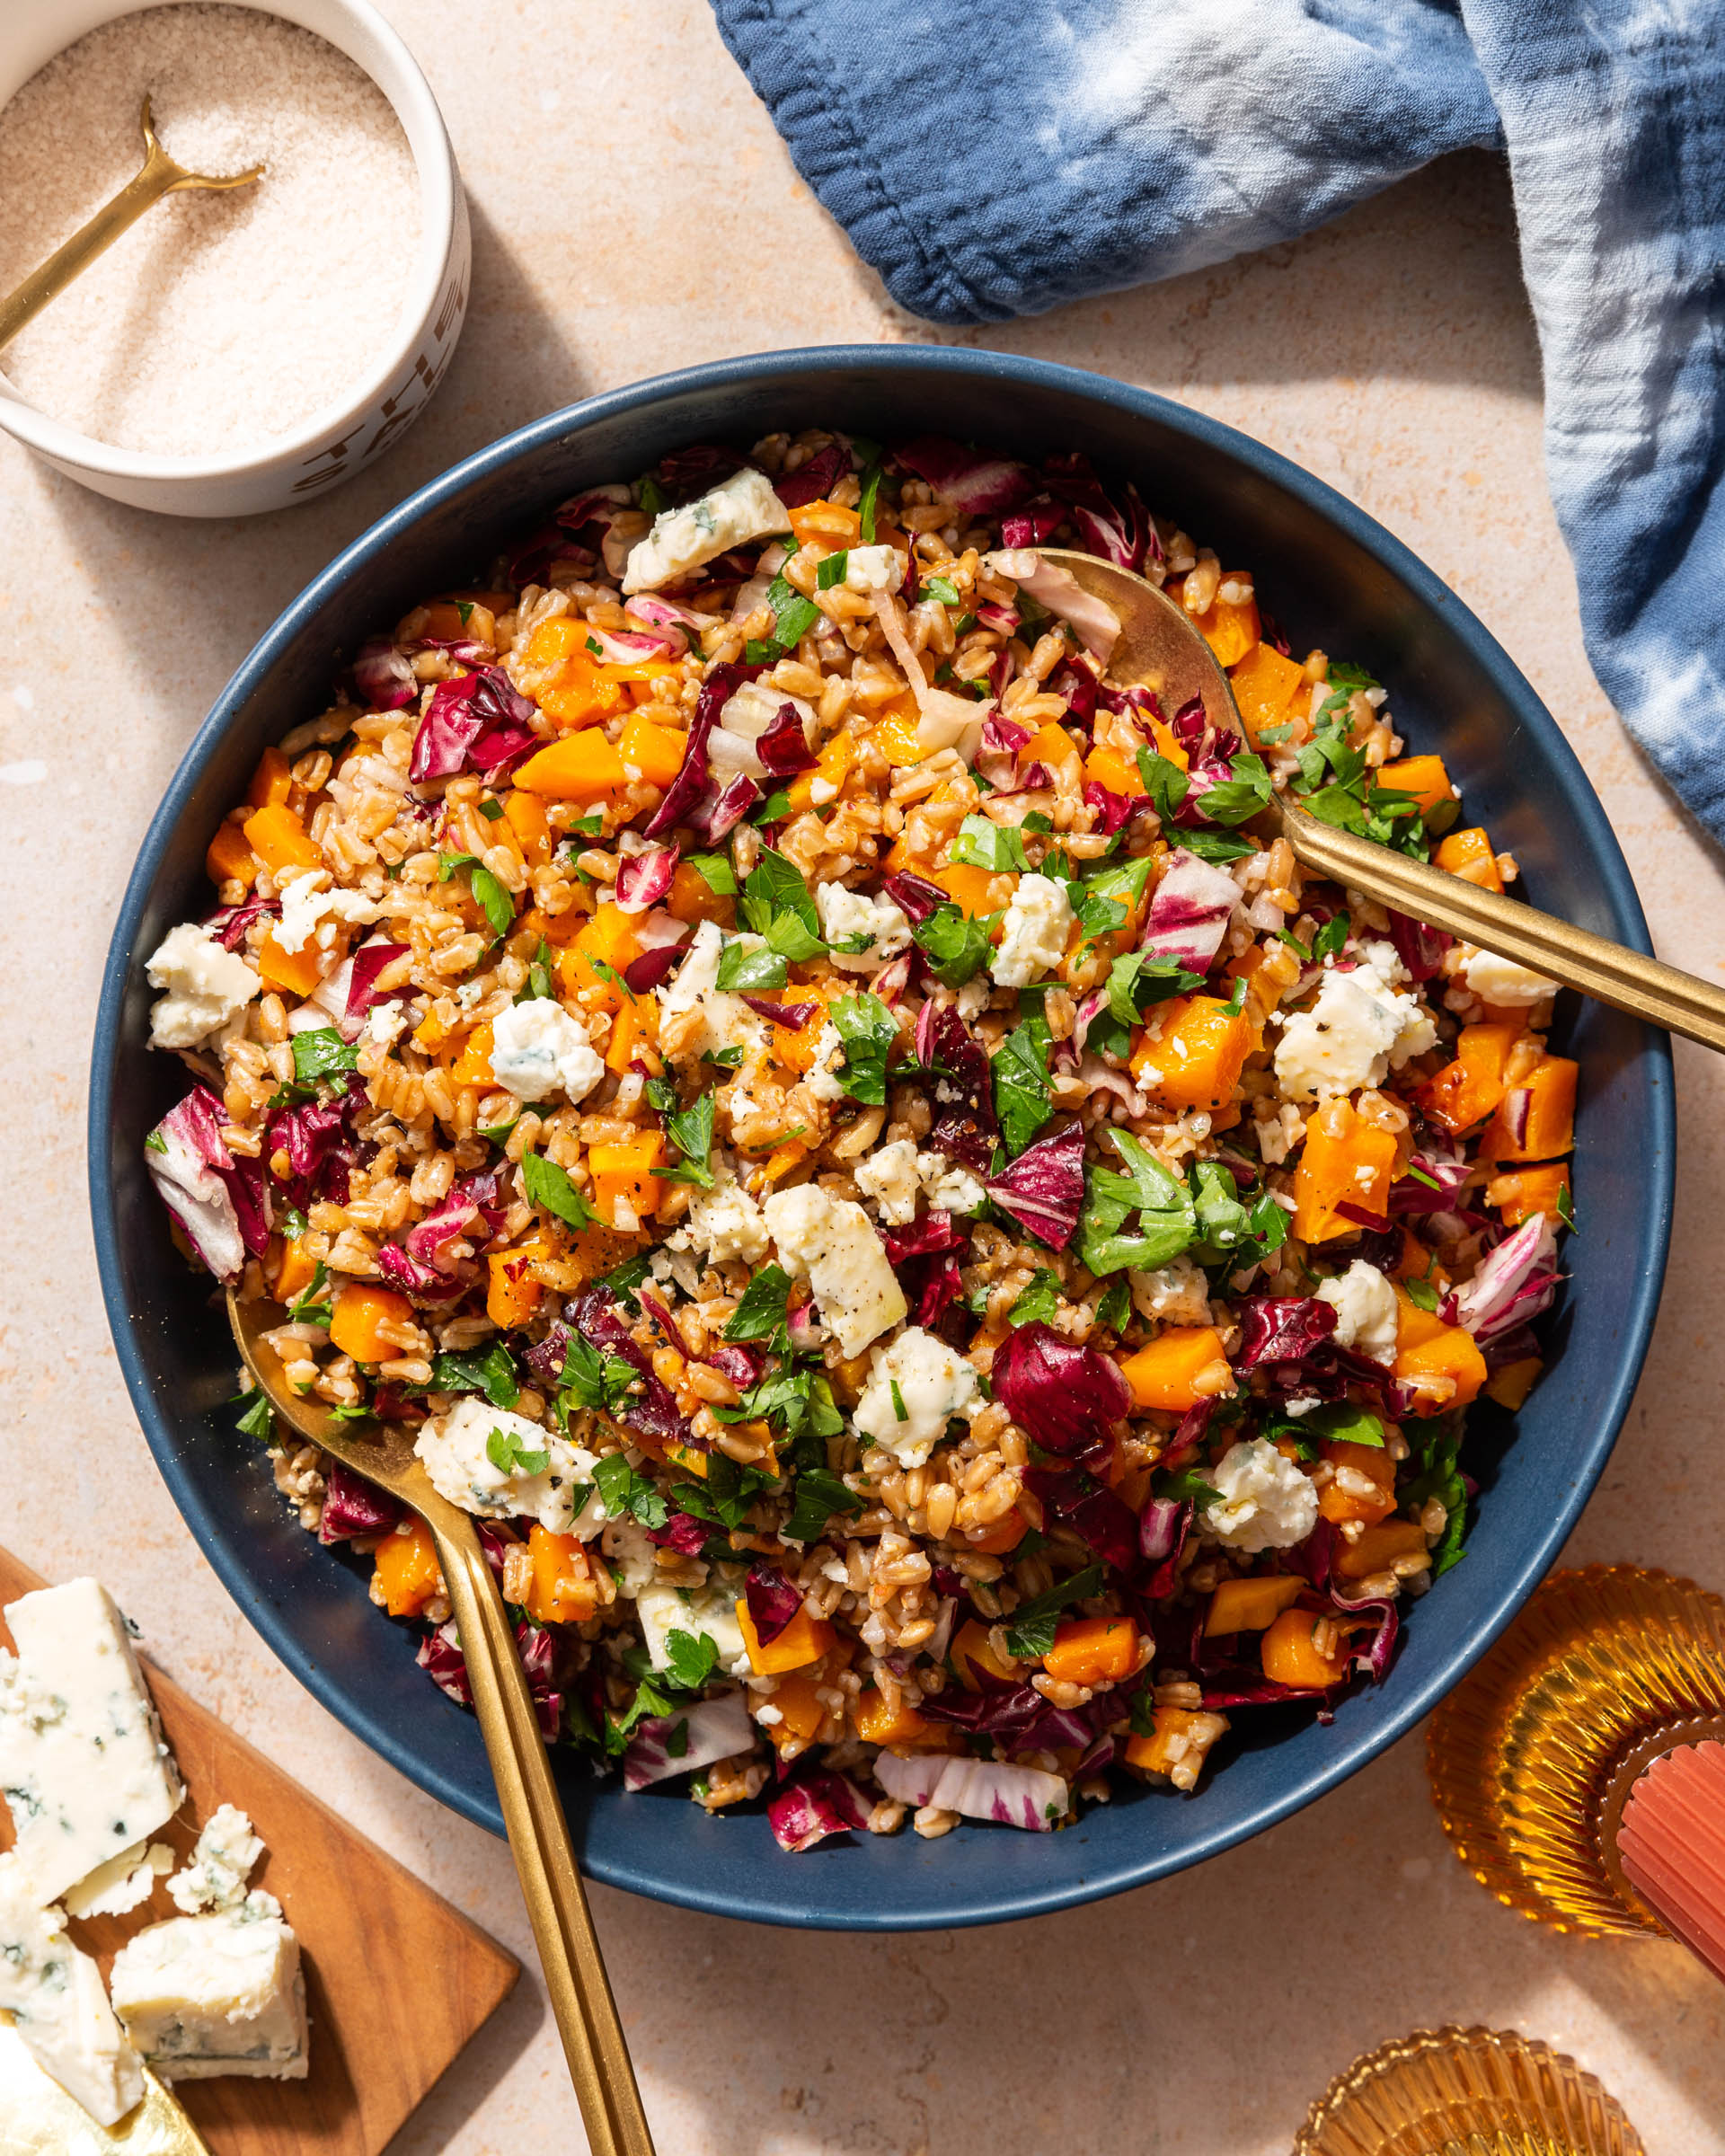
(783, 746)
(353, 1506)
(471, 1210)
(714, 817)
(691, 781)
(791, 1017)
(1375, 1655)
(973, 483)
(369, 961)
(1516, 1282)
(1118, 531)
(644, 879)
(816, 1804)
(1112, 809)
(683, 1532)
(1038, 520)
(648, 1406)
(642, 975)
(1190, 911)
(1163, 1526)
(773, 1601)
(1420, 949)
(229, 926)
(959, 1088)
(478, 722)
(218, 1199)
(1043, 1188)
(441, 1657)
(1090, 1510)
(914, 895)
(1064, 1395)
(383, 676)
(1281, 1328)
(694, 1736)
(813, 481)
(980, 1789)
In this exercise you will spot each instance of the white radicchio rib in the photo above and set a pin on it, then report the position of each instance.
(1516, 1282)
(946, 720)
(1189, 914)
(1057, 589)
(716, 1729)
(981, 1789)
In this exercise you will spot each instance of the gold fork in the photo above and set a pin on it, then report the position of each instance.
(159, 175)
(533, 1813)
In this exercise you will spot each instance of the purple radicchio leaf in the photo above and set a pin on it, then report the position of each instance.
(644, 879)
(975, 484)
(1064, 1395)
(1163, 1526)
(1375, 1655)
(713, 819)
(702, 1734)
(1190, 911)
(914, 895)
(683, 1532)
(960, 1089)
(478, 722)
(353, 1506)
(1090, 1510)
(784, 747)
(1116, 527)
(1420, 949)
(383, 679)
(1113, 811)
(1077, 687)
(369, 961)
(816, 1804)
(815, 479)
(413, 1277)
(980, 1789)
(441, 1657)
(773, 1601)
(1034, 523)
(1043, 1189)
(1516, 1282)
(229, 926)
(595, 1315)
(642, 975)
(791, 1017)
(691, 781)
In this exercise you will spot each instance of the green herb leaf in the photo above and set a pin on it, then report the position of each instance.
(548, 1186)
(870, 1033)
(1440, 1477)
(867, 501)
(716, 872)
(793, 615)
(1020, 1072)
(690, 1658)
(508, 1450)
(592, 1381)
(956, 947)
(1217, 845)
(307, 1309)
(1039, 1302)
(726, 1495)
(691, 1132)
(724, 1059)
(465, 1370)
(627, 1493)
(898, 1407)
(742, 970)
(760, 1314)
(1029, 1632)
(652, 496)
(626, 1279)
(1423, 1293)
(494, 902)
(817, 1494)
(1167, 1216)
(1140, 980)
(155, 1143)
(1164, 782)
(831, 571)
(320, 1052)
(942, 588)
(1187, 1486)
(983, 844)
(258, 1419)
(1114, 1307)
(1242, 796)
(490, 808)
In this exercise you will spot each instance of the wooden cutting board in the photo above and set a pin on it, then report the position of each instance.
(397, 1980)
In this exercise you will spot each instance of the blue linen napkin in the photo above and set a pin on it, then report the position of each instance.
(991, 162)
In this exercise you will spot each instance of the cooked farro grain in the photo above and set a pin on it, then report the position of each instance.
(933, 1250)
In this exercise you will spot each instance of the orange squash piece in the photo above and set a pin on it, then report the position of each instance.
(826, 524)
(970, 1652)
(803, 1640)
(1230, 629)
(610, 938)
(1108, 767)
(1265, 685)
(472, 1066)
(833, 764)
(295, 1271)
(1528, 1190)
(1193, 1058)
(580, 767)
(1424, 777)
(692, 897)
(1439, 1361)
(563, 1590)
(1007, 1533)
(879, 1724)
(293, 972)
(272, 781)
(1378, 1548)
(969, 887)
(1374, 1464)
(655, 751)
(1161, 1751)
(1050, 745)
(896, 733)
(1093, 1650)
(1469, 855)
(1291, 1655)
(359, 1313)
(1351, 1165)
(1465, 1091)
(511, 1291)
(526, 816)
(408, 1570)
(801, 1714)
(229, 859)
(1251, 1605)
(1181, 1366)
(623, 1177)
(1549, 1128)
(1511, 1385)
(279, 838)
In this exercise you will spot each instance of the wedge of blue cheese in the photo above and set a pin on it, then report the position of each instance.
(53, 1993)
(87, 1775)
(219, 1990)
(220, 1993)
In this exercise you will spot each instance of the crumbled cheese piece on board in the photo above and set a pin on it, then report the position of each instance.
(53, 1993)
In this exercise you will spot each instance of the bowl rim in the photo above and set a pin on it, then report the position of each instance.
(410, 97)
(1641, 1292)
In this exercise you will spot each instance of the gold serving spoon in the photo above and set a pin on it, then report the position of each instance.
(1160, 648)
(533, 1813)
(159, 175)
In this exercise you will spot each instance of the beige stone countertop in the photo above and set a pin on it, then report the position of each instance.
(633, 211)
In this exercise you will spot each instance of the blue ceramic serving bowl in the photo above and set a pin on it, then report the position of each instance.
(1333, 578)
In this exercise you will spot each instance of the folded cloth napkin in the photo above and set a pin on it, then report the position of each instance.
(993, 161)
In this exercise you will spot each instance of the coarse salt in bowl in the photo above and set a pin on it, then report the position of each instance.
(338, 424)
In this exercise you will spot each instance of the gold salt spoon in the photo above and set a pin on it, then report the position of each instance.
(158, 176)
(1160, 648)
(533, 1813)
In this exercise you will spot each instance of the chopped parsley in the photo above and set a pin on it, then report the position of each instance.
(508, 1450)
(1020, 1070)
(983, 844)
(494, 902)
(626, 1492)
(1040, 1301)
(870, 1033)
(1030, 1633)
(956, 947)
(548, 1186)
(465, 1370)
(320, 1052)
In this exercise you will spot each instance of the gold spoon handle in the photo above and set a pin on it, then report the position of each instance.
(1629, 980)
(159, 175)
(545, 1860)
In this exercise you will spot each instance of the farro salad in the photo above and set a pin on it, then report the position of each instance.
(944, 1264)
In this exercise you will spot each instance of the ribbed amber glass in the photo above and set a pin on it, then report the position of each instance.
(1532, 1753)
(1466, 2092)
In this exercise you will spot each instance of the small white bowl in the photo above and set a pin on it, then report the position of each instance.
(385, 402)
